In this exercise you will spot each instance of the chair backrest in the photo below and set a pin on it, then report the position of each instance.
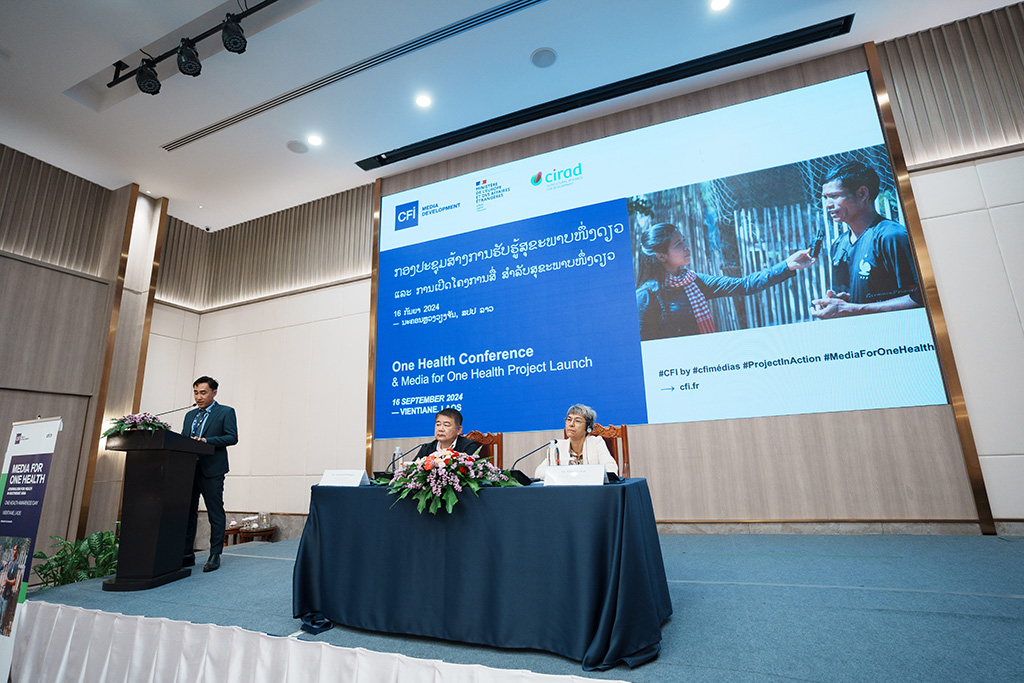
(492, 445)
(612, 435)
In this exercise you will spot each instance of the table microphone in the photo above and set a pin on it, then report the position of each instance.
(388, 473)
(399, 457)
(176, 410)
(520, 476)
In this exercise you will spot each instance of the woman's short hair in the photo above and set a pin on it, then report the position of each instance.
(586, 412)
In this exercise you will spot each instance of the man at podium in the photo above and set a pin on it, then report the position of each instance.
(214, 424)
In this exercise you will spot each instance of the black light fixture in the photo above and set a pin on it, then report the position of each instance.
(188, 58)
(233, 35)
(146, 79)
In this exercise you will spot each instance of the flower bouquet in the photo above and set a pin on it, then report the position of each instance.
(438, 479)
(138, 422)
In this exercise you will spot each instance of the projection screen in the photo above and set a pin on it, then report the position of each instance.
(515, 291)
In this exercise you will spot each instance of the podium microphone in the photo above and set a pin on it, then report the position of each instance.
(176, 410)
(520, 476)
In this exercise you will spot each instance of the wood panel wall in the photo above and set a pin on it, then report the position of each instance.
(321, 242)
(54, 326)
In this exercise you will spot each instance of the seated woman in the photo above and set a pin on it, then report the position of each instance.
(672, 300)
(578, 448)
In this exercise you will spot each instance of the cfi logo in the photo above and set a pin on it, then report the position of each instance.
(535, 180)
(407, 215)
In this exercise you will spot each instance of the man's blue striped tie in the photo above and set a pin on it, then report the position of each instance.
(197, 423)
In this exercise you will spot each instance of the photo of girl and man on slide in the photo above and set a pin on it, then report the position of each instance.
(723, 255)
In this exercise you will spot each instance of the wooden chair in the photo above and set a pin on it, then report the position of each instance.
(492, 445)
(612, 434)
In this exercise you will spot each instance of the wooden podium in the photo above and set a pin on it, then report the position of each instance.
(158, 472)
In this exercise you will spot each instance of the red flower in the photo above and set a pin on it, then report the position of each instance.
(463, 469)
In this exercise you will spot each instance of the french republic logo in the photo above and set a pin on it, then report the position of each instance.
(407, 215)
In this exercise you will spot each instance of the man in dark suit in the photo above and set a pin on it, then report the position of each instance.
(214, 424)
(448, 434)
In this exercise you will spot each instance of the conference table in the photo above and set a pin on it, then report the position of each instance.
(574, 570)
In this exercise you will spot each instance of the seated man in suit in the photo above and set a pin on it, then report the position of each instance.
(214, 424)
(448, 434)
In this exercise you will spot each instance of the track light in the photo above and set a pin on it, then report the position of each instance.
(146, 79)
(233, 35)
(188, 58)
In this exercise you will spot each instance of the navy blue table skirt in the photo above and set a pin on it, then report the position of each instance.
(573, 570)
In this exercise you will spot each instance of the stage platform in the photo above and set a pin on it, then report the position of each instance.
(746, 608)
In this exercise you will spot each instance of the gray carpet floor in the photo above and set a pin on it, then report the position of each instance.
(746, 608)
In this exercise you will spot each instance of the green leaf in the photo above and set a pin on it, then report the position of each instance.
(94, 542)
(450, 499)
(435, 505)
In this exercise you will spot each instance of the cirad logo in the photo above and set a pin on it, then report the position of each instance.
(557, 175)
(407, 215)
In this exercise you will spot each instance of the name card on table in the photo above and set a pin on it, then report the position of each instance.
(575, 475)
(344, 478)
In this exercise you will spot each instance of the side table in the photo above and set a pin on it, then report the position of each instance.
(231, 535)
(246, 535)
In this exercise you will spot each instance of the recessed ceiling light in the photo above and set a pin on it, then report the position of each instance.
(149, 192)
(423, 101)
(543, 57)
(200, 206)
(315, 140)
(297, 146)
(719, 5)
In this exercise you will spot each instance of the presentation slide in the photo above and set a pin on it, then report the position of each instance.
(698, 269)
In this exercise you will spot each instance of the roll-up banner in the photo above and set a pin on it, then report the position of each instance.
(26, 469)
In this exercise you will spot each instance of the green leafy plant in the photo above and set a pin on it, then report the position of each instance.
(90, 558)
